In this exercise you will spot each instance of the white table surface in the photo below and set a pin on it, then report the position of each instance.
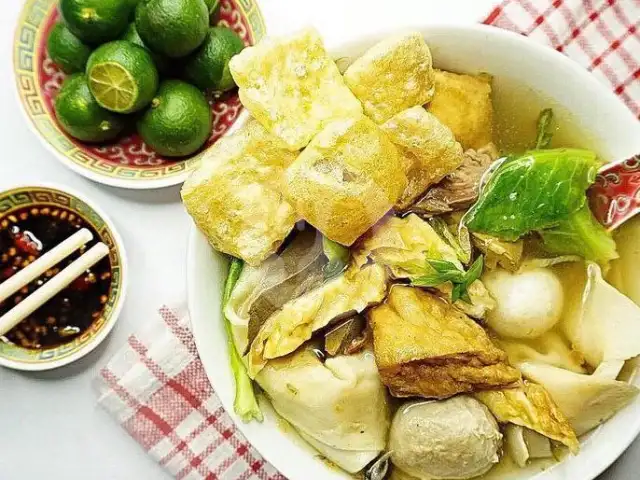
(50, 426)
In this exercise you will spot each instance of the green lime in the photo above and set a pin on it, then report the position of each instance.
(81, 116)
(174, 28)
(66, 50)
(212, 5)
(122, 76)
(208, 67)
(96, 21)
(131, 35)
(179, 120)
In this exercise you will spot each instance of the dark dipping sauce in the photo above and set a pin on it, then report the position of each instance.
(26, 234)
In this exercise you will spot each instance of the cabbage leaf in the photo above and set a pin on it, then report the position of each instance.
(582, 235)
(245, 404)
(535, 191)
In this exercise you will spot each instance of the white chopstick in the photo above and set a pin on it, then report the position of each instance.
(45, 262)
(52, 287)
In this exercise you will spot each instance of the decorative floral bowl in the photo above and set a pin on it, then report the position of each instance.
(42, 196)
(129, 163)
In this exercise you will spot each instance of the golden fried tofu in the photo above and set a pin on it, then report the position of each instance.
(392, 76)
(531, 406)
(297, 320)
(429, 149)
(235, 196)
(348, 177)
(292, 87)
(426, 347)
(463, 103)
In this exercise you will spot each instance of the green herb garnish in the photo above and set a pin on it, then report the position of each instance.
(444, 271)
(544, 125)
(245, 404)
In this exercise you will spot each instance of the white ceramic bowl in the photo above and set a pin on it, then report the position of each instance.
(513, 60)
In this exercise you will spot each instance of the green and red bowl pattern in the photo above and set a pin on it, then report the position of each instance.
(129, 163)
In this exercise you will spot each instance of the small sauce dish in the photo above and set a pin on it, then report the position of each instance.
(33, 220)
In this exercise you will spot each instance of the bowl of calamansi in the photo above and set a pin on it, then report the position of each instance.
(131, 93)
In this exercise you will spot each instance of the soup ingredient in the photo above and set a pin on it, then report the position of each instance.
(245, 404)
(528, 303)
(131, 35)
(80, 115)
(544, 127)
(338, 256)
(393, 75)
(179, 120)
(463, 103)
(239, 180)
(405, 245)
(263, 290)
(529, 405)
(28, 232)
(453, 439)
(295, 323)
(293, 87)
(339, 404)
(460, 189)
(449, 272)
(586, 400)
(346, 338)
(208, 67)
(95, 21)
(460, 243)
(499, 253)
(349, 176)
(534, 191)
(624, 274)
(66, 50)
(428, 148)
(603, 324)
(426, 347)
(550, 348)
(378, 470)
(122, 76)
(581, 234)
(524, 444)
(174, 28)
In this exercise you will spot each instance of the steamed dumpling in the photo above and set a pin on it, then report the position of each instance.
(586, 400)
(528, 303)
(340, 405)
(605, 325)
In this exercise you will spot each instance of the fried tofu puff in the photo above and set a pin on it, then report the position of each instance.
(235, 196)
(292, 86)
(463, 103)
(392, 76)
(428, 147)
(347, 179)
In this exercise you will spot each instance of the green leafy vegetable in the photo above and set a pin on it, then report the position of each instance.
(582, 235)
(338, 256)
(245, 404)
(444, 271)
(545, 120)
(532, 192)
(462, 248)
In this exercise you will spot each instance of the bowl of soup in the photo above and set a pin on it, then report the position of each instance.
(396, 308)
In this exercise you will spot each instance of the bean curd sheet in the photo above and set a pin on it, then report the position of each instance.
(460, 315)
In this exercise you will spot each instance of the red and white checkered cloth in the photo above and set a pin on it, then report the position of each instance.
(156, 387)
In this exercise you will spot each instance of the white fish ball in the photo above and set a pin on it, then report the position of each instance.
(529, 303)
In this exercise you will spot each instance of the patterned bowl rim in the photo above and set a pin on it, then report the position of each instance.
(249, 9)
(120, 292)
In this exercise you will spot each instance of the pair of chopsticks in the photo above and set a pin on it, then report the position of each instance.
(54, 286)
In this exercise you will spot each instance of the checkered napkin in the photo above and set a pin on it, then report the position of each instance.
(156, 387)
